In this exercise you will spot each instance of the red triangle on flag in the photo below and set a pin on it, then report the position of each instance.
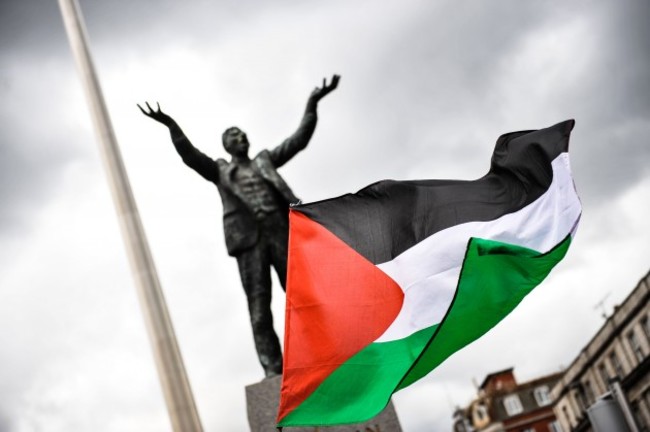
(338, 302)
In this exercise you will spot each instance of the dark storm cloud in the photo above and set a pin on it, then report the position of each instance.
(454, 66)
(616, 96)
(621, 73)
(29, 173)
(29, 161)
(35, 143)
(30, 27)
(441, 68)
(35, 27)
(462, 46)
(118, 25)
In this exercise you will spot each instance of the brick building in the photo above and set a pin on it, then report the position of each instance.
(619, 350)
(503, 404)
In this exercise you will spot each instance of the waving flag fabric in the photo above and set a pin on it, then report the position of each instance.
(385, 284)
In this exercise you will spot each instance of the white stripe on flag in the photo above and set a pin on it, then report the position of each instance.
(428, 272)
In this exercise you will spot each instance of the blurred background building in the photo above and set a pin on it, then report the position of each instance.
(619, 351)
(502, 404)
(617, 355)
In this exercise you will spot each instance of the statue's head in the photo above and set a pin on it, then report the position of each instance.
(235, 141)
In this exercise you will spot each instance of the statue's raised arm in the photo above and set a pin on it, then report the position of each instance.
(299, 140)
(321, 92)
(195, 159)
(156, 114)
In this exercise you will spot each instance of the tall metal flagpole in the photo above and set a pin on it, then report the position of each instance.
(176, 388)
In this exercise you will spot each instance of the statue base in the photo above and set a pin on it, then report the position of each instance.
(262, 401)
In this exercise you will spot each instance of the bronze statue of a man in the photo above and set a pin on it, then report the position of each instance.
(255, 211)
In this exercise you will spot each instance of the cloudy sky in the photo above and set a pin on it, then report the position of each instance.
(427, 87)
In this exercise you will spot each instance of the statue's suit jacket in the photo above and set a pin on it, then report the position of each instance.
(240, 227)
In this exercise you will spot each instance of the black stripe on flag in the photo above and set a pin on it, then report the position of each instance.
(388, 217)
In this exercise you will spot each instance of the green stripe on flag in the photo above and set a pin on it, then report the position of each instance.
(362, 386)
(494, 279)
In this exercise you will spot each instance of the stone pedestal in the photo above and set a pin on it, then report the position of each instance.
(262, 401)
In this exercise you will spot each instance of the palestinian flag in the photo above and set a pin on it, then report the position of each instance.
(385, 284)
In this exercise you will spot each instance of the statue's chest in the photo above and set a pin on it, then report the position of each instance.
(248, 179)
(256, 190)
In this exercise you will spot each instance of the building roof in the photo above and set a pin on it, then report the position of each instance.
(489, 377)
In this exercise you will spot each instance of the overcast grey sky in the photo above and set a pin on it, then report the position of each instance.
(427, 87)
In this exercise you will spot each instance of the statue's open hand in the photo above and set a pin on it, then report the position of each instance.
(321, 92)
(157, 114)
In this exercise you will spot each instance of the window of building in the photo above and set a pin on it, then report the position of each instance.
(460, 427)
(616, 364)
(635, 345)
(542, 396)
(554, 426)
(461, 423)
(638, 416)
(512, 405)
(481, 412)
(581, 398)
(568, 418)
(604, 375)
(646, 327)
(589, 393)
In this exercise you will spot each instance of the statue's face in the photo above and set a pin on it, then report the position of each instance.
(235, 142)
